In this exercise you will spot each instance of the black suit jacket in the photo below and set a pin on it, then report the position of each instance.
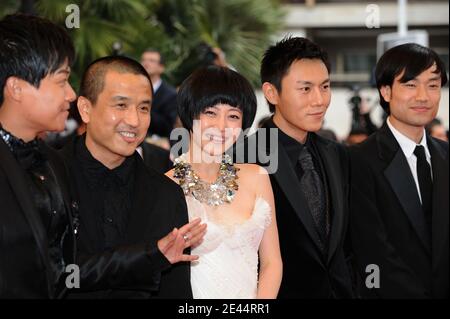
(156, 157)
(307, 273)
(388, 226)
(24, 255)
(164, 111)
(132, 270)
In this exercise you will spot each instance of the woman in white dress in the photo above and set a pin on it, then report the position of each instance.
(240, 254)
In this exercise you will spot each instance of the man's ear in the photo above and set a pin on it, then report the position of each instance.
(386, 92)
(84, 108)
(14, 88)
(270, 93)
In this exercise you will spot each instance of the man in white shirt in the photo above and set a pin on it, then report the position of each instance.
(399, 195)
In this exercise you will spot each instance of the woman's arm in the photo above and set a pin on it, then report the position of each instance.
(271, 266)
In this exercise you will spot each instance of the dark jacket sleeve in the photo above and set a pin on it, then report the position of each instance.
(347, 246)
(176, 281)
(134, 266)
(369, 239)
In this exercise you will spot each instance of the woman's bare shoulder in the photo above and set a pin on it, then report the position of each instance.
(251, 173)
(170, 175)
(251, 169)
(254, 179)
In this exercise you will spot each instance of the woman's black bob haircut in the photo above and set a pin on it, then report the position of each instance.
(411, 58)
(213, 85)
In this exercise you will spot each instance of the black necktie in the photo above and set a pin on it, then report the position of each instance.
(425, 182)
(313, 190)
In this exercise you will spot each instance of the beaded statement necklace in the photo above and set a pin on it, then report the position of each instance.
(221, 191)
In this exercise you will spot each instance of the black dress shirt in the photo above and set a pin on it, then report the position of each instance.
(293, 149)
(107, 195)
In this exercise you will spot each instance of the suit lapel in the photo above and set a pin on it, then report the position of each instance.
(440, 222)
(91, 233)
(62, 178)
(287, 179)
(402, 182)
(330, 160)
(17, 180)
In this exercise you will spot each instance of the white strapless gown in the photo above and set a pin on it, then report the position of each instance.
(228, 264)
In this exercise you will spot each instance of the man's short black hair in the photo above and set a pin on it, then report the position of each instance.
(93, 79)
(212, 85)
(411, 58)
(31, 48)
(278, 59)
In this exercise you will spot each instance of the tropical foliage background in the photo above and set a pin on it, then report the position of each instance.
(180, 29)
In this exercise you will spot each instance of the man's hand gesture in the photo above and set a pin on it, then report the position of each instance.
(173, 245)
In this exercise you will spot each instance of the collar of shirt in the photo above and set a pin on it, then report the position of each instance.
(292, 146)
(28, 154)
(99, 173)
(157, 85)
(140, 151)
(406, 144)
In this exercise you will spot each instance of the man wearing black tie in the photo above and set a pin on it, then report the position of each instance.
(309, 174)
(399, 215)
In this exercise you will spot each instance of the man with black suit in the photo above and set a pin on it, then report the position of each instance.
(309, 174)
(399, 202)
(164, 105)
(36, 226)
(124, 206)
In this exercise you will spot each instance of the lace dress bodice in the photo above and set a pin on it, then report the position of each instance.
(228, 263)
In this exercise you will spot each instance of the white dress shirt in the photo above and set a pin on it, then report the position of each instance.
(408, 146)
(157, 85)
